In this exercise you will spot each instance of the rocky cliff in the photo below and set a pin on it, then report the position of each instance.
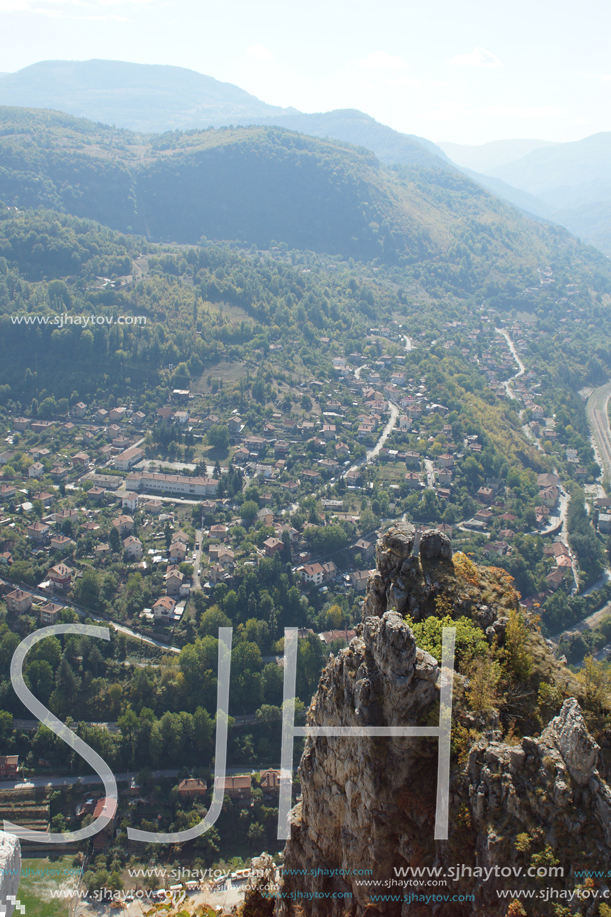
(10, 872)
(529, 803)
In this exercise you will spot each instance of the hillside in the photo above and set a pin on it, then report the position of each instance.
(260, 185)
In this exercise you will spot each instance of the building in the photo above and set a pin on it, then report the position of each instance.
(19, 601)
(272, 546)
(126, 460)
(163, 609)
(38, 532)
(61, 576)
(47, 614)
(364, 548)
(9, 765)
(60, 542)
(175, 484)
(132, 547)
(36, 470)
(312, 573)
(238, 786)
(123, 524)
(192, 788)
(129, 501)
(270, 782)
(173, 580)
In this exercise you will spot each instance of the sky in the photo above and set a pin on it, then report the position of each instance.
(468, 72)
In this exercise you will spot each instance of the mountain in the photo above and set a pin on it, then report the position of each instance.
(353, 126)
(256, 185)
(157, 98)
(487, 156)
(138, 96)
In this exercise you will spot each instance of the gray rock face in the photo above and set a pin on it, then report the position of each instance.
(579, 750)
(10, 871)
(354, 813)
(435, 544)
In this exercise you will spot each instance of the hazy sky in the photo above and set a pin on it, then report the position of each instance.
(469, 72)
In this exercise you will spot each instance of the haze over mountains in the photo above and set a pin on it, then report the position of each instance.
(568, 183)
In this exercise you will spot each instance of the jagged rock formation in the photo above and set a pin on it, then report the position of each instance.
(368, 804)
(10, 872)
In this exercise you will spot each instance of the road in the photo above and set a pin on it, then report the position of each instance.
(99, 619)
(598, 418)
(588, 623)
(521, 367)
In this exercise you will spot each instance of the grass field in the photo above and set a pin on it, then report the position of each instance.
(40, 877)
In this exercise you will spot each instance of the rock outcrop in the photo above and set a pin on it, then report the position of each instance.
(368, 804)
(10, 872)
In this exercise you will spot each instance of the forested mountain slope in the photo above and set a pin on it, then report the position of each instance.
(259, 185)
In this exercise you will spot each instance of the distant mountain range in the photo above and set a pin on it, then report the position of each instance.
(567, 183)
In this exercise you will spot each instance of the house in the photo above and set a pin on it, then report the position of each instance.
(101, 416)
(6, 559)
(132, 547)
(9, 765)
(60, 542)
(79, 410)
(58, 473)
(192, 788)
(173, 580)
(80, 459)
(359, 579)
(181, 417)
(412, 459)
(61, 576)
(345, 635)
(235, 424)
(66, 515)
(19, 601)
(36, 470)
(38, 532)
(47, 614)
(329, 571)
(123, 524)
(129, 501)
(102, 550)
(107, 805)
(96, 494)
(312, 573)
(178, 552)
(7, 491)
(556, 578)
(412, 480)
(485, 495)
(238, 786)
(270, 782)
(272, 546)
(153, 506)
(364, 548)
(604, 523)
(45, 498)
(446, 461)
(164, 607)
(353, 477)
(218, 533)
(116, 415)
(21, 423)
